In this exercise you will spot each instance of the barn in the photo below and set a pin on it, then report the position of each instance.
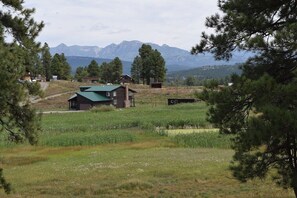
(90, 96)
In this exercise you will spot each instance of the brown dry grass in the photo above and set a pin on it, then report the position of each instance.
(144, 95)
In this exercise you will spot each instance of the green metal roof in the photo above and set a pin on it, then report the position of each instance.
(93, 96)
(103, 88)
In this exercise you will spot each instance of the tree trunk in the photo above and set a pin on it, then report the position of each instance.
(295, 181)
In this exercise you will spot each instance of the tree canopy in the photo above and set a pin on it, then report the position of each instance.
(18, 50)
(148, 65)
(111, 72)
(60, 67)
(260, 108)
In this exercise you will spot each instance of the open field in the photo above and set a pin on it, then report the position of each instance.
(146, 151)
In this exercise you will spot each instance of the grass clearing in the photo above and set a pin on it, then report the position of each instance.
(120, 153)
(118, 170)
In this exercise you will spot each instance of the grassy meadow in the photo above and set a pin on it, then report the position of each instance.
(152, 150)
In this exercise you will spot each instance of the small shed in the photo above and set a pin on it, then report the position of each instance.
(156, 85)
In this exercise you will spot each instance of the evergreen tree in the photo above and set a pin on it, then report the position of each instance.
(66, 68)
(117, 67)
(93, 69)
(105, 73)
(117, 70)
(151, 65)
(56, 65)
(158, 66)
(260, 108)
(80, 73)
(46, 59)
(60, 67)
(136, 69)
(18, 120)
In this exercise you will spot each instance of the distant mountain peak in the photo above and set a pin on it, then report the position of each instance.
(128, 50)
(62, 45)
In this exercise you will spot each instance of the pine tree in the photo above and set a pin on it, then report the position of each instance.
(80, 73)
(93, 69)
(46, 59)
(149, 65)
(116, 67)
(18, 120)
(260, 108)
(60, 67)
(136, 69)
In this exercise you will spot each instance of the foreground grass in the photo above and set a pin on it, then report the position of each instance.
(122, 153)
(142, 169)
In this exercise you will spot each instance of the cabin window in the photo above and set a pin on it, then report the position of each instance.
(115, 102)
(114, 94)
(108, 94)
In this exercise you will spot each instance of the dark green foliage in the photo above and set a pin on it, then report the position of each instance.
(81, 72)
(111, 72)
(136, 70)
(17, 118)
(117, 69)
(148, 65)
(4, 184)
(260, 108)
(93, 69)
(46, 59)
(190, 81)
(60, 67)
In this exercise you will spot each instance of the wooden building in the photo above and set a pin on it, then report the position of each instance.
(89, 96)
(126, 79)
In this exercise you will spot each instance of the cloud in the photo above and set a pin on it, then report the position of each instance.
(99, 22)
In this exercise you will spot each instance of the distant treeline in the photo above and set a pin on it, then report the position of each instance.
(199, 76)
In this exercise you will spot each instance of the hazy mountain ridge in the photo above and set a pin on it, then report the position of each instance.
(207, 72)
(76, 61)
(76, 50)
(128, 50)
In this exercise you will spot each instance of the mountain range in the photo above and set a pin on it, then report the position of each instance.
(176, 58)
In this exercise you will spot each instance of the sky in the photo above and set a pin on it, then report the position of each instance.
(177, 23)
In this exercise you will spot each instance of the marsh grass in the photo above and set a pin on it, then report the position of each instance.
(86, 138)
(146, 117)
(204, 140)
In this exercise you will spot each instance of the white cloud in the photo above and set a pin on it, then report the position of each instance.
(100, 22)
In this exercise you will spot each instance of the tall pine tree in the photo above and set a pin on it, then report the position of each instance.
(148, 65)
(260, 108)
(46, 59)
(18, 120)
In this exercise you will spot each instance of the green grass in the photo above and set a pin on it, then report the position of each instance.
(86, 138)
(146, 117)
(129, 170)
(121, 154)
(203, 140)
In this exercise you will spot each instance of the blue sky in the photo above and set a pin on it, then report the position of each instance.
(177, 23)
